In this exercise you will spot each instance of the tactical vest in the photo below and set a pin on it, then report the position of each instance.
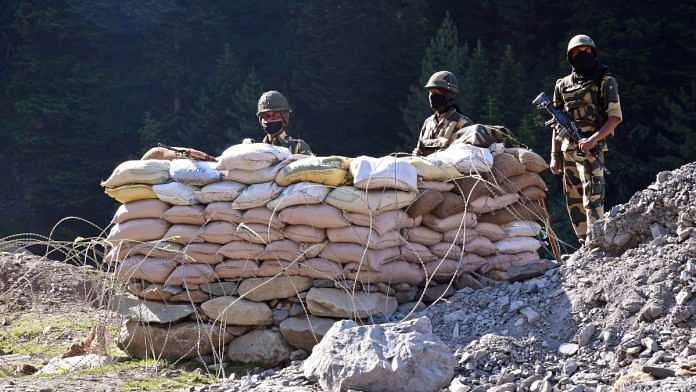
(436, 135)
(583, 102)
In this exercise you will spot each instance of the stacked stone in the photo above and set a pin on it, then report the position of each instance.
(262, 251)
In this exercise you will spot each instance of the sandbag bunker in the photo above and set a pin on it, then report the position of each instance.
(261, 251)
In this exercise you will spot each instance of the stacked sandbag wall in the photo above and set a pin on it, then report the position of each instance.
(263, 250)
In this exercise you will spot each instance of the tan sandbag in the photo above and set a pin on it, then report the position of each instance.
(176, 193)
(383, 173)
(219, 232)
(517, 245)
(505, 166)
(222, 211)
(139, 209)
(313, 250)
(301, 193)
(146, 229)
(491, 231)
(447, 250)
(365, 236)
(304, 233)
(471, 188)
(258, 176)
(191, 274)
(332, 171)
(138, 172)
(394, 272)
(184, 234)
(319, 215)
(533, 193)
(422, 235)
(416, 253)
(439, 186)
(129, 193)
(319, 268)
(151, 249)
(149, 269)
(189, 215)
(462, 219)
(431, 169)
(271, 268)
(523, 257)
(236, 269)
(348, 198)
(486, 204)
(256, 195)
(518, 183)
(481, 246)
(253, 156)
(352, 253)
(200, 253)
(447, 268)
(382, 223)
(502, 261)
(257, 233)
(519, 211)
(240, 250)
(286, 250)
(460, 235)
(264, 216)
(522, 229)
(425, 202)
(451, 204)
(219, 191)
(532, 161)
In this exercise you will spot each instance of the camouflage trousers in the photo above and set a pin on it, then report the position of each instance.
(584, 186)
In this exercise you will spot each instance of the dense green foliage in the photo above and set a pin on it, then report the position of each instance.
(86, 84)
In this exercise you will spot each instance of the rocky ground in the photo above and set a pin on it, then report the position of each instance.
(619, 314)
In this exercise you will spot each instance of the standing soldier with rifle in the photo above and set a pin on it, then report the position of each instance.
(590, 97)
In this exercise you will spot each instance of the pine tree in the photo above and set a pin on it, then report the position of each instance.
(151, 133)
(476, 86)
(244, 108)
(508, 88)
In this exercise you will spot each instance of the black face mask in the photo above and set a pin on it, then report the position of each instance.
(584, 63)
(437, 101)
(272, 127)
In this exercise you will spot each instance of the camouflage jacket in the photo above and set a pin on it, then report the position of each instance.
(439, 130)
(296, 146)
(588, 104)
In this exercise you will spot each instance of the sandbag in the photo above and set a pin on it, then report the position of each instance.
(256, 195)
(130, 193)
(371, 259)
(522, 229)
(432, 169)
(219, 191)
(138, 172)
(463, 219)
(531, 211)
(218, 232)
(422, 235)
(514, 245)
(460, 235)
(533, 193)
(486, 204)
(382, 223)
(332, 171)
(176, 193)
(152, 249)
(286, 250)
(191, 274)
(447, 250)
(190, 215)
(184, 234)
(271, 268)
(257, 233)
(264, 216)
(301, 193)
(236, 269)
(251, 156)
(502, 261)
(139, 209)
(304, 233)
(416, 253)
(517, 183)
(318, 268)
(196, 173)
(223, 211)
(203, 252)
(471, 188)
(506, 166)
(466, 158)
(383, 173)
(258, 176)
(435, 185)
(451, 204)
(532, 161)
(491, 231)
(146, 229)
(443, 269)
(240, 250)
(141, 268)
(348, 198)
(364, 236)
(481, 135)
(425, 202)
(481, 246)
(398, 271)
(319, 215)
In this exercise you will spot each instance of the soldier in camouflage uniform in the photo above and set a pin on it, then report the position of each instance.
(439, 130)
(591, 98)
(273, 112)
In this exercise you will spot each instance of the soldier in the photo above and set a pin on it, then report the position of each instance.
(439, 130)
(273, 112)
(591, 98)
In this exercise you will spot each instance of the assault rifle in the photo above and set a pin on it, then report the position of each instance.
(188, 153)
(567, 126)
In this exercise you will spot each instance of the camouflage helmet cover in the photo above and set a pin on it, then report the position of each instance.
(272, 101)
(581, 40)
(445, 80)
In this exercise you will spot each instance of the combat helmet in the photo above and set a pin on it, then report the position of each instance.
(272, 101)
(444, 80)
(581, 40)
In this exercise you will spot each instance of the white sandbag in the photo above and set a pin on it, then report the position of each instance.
(432, 169)
(176, 193)
(522, 229)
(264, 216)
(219, 191)
(318, 215)
(348, 198)
(416, 253)
(240, 250)
(139, 209)
(146, 229)
(486, 204)
(462, 219)
(382, 223)
(372, 259)
(304, 233)
(251, 156)
(151, 171)
(490, 230)
(202, 252)
(365, 236)
(258, 176)
(422, 235)
(191, 274)
(386, 172)
(256, 195)
(301, 193)
(514, 245)
(318, 268)
(197, 173)
(189, 215)
(235, 269)
(466, 158)
(223, 211)
(149, 269)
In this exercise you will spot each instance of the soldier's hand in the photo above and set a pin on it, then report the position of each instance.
(587, 144)
(556, 166)
(196, 155)
(417, 152)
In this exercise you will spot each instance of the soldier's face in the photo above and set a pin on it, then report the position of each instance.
(435, 90)
(271, 116)
(575, 51)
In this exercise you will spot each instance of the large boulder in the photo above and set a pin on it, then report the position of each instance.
(305, 331)
(403, 356)
(264, 289)
(261, 346)
(237, 311)
(343, 304)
